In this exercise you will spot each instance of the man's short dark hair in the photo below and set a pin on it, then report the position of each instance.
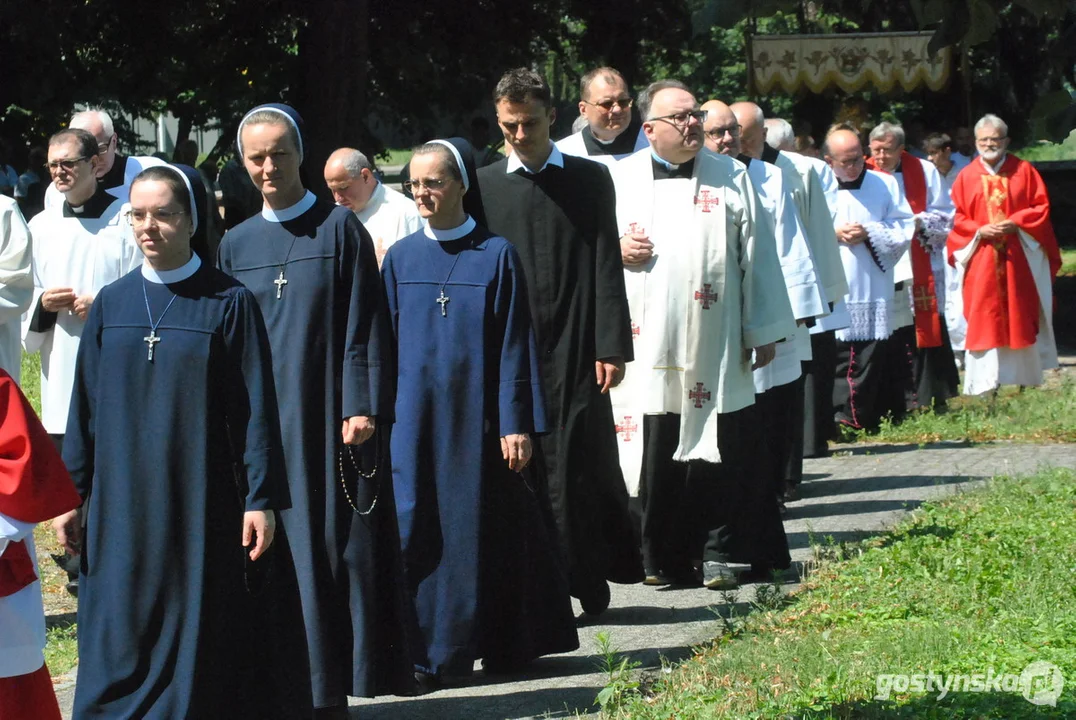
(610, 75)
(86, 141)
(937, 141)
(646, 97)
(521, 85)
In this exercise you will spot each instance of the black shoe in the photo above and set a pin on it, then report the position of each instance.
(596, 601)
(426, 683)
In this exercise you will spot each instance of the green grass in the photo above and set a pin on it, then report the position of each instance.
(1068, 262)
(980, 581)
(61, 649)
(30, 379)
(1047, 151)
(1046, 414)
(394, 156)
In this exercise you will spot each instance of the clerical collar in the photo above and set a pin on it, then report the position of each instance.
(664, 170)
(993, 170)
(556, 157)
(290, 213)
(769, 154)
(455, 233)
(852, 184)
(116, 175)
(167, 277)
(93, 208)
(622, 144)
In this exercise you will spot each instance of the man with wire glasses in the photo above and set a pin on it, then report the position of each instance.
(611, 131)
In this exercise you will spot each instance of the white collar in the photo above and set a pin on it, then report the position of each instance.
(377, 197)
(556, 157)
(997, 166)
(290, 213)
(167, 277)
(455, 233)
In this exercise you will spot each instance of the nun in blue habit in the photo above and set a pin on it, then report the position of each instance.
(479, 544)
(174, 446)
(312, 268)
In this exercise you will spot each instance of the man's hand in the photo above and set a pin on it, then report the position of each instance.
(517, 451)
(764, 355)
(851, 233)
(609, 373)
(262, 525)
(358, 429)
(68, 529)
(57, 299)
(82, 305)
(636, 248)
(1006, 227)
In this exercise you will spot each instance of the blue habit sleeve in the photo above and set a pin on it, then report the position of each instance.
(78, 446)
(520, 403)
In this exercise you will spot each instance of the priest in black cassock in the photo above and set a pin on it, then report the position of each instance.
(559, 213)
(479, 545)
(312, 268)
(173, 443)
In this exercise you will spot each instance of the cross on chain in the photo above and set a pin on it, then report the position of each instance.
(699, 395)
(280, 282)
(443, 301)
(924, 301)
(706, 295)
(151, 340)
(707, 202)
(627, 428)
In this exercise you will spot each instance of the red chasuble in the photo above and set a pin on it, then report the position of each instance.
(1001, 302)
(34, 484)
(924, 296)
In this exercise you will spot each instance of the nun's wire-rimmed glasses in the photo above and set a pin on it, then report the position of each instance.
(138, 218)
(431, 184)
(682, 119)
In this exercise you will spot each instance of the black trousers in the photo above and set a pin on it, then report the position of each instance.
(818, 379)
(861, 391)
(790, 435)
(936, 378)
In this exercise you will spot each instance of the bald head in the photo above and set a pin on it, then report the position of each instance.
(752, 128)
(349, 175)
(844, 153)
(721, 128)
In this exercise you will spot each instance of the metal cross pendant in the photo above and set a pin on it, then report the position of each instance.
(151, 340)
(443, 300)
(280, 282)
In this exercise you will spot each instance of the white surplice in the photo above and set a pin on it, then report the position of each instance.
(389, 216)
(879, 206)
(84, 254)
(705, 296)
(22, 615)
(574, 145)
(16, 283)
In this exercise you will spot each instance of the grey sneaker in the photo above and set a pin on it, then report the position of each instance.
(717, 576)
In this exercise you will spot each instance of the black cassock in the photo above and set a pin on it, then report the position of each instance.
(562, 221)
(316, 280)
(174, 621)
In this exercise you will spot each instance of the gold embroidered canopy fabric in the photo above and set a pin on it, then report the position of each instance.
(850, 62)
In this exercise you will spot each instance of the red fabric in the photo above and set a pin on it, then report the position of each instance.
(17, 569)
(1001, 302)
(34, 484)
(29, 697)
(924, 294)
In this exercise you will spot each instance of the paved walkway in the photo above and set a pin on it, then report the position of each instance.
(860, 491)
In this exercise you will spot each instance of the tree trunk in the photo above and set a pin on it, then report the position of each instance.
(331, 97)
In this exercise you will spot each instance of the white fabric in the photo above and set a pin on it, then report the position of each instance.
(389, 216)
(955, 322)
(462, 230)
(574, 145)
(16, 283)
(556, 157)
(704, 297)
(987, 369)
(164, 277)
(938, 216)
(291, 212)
(22, 615)
(135, 164)
(84, 254)
(285, 116)
(459, 162)
(880, 208)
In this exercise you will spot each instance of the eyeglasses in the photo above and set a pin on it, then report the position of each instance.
(67, 165)
(431, 184)
(719, 132)
(623, 103)
(138, 218)
(102, 147)
(682, 119)
(990, 140)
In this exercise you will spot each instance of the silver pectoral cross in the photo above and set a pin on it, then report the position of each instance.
(280, 282)
(443, 301)
(151, 340)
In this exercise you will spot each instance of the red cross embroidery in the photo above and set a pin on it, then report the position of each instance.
(627, 429)
(699, 395)
(707, 202)
(706, 295)
(635, 330)
(636, 229)
(924, 301)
